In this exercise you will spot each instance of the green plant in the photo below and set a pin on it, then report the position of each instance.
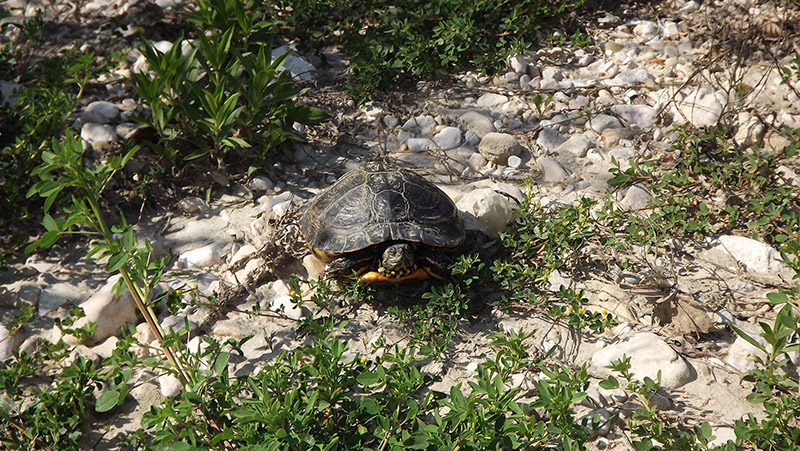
(713, 183)
(387, 41)
(322, 397)
(540, 242)
(541, 103)
(222, 92)
(655, 431)
(441, 309)
(776, 377)
(49, 92)
(63, 171)
(37, 412)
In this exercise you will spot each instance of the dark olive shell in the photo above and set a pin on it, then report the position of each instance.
(373, 205)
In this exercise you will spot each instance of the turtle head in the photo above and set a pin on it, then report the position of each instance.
(397, 260)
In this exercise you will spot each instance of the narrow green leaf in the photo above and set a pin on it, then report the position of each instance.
(48, 239)
(748, 338)
(116, 261)
(222, 362)
(49, 223)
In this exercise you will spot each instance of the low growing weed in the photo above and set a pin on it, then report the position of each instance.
(652, 427)
(712, 187)
(542, 241)
(49, 92)
(323, 397)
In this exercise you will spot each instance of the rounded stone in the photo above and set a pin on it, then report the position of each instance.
(497, 147)
(100, 112)
(98, 133)
(649, 354)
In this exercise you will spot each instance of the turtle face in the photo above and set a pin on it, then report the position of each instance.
(397, 260)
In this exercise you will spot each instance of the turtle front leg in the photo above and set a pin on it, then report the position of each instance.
(346, 265)
(434, 263)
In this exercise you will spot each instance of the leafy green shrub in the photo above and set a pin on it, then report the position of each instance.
(49, 91)
(541, 242)
(220, 93)
(322, 397)
(44, 399)
(656, 431)
(712, 187)
(386, 40)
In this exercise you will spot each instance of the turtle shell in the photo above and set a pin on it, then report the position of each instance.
(372, 205)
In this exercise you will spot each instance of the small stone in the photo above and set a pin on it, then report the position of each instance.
(282, 208)
(601, 122)
(420, 144)
(58, 294)
(170, 385)
(8, 343)
(82, 351)
(285, 305)
(314, 266)
(390, 121)
(612, 136)
(553, 171)
(477, 122)
(202, 257)
(193, 206)
(471, 138)
(646, 29)
(614, 47)
(497, 147)
(702, 107)
(514, 162)
(600, 418)
(448, 138)
(636, 115)
(649, 354)
(557, 280)
(722, 435)
(576, 146)
(742, 354)
(477, 161)
(422, 125)
(690, 7)
(98, 133)
(519, 64)
(754, 255)
(670, 29)
(490, 100)
(269, 203)
(106, 348)
(297, 66)
(751, 131)
(111, 313)
(100, 112)
(685, 47)
(550, 139)
(635, 199)
(260, 183)
(525, 82)
(631, 78)
(552, 73)
(488, 211)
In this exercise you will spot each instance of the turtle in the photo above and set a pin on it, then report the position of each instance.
(384, 224)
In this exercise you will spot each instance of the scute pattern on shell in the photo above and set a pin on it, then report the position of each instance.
(372, 205)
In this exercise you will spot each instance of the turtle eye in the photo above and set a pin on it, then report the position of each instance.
(392, 251)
